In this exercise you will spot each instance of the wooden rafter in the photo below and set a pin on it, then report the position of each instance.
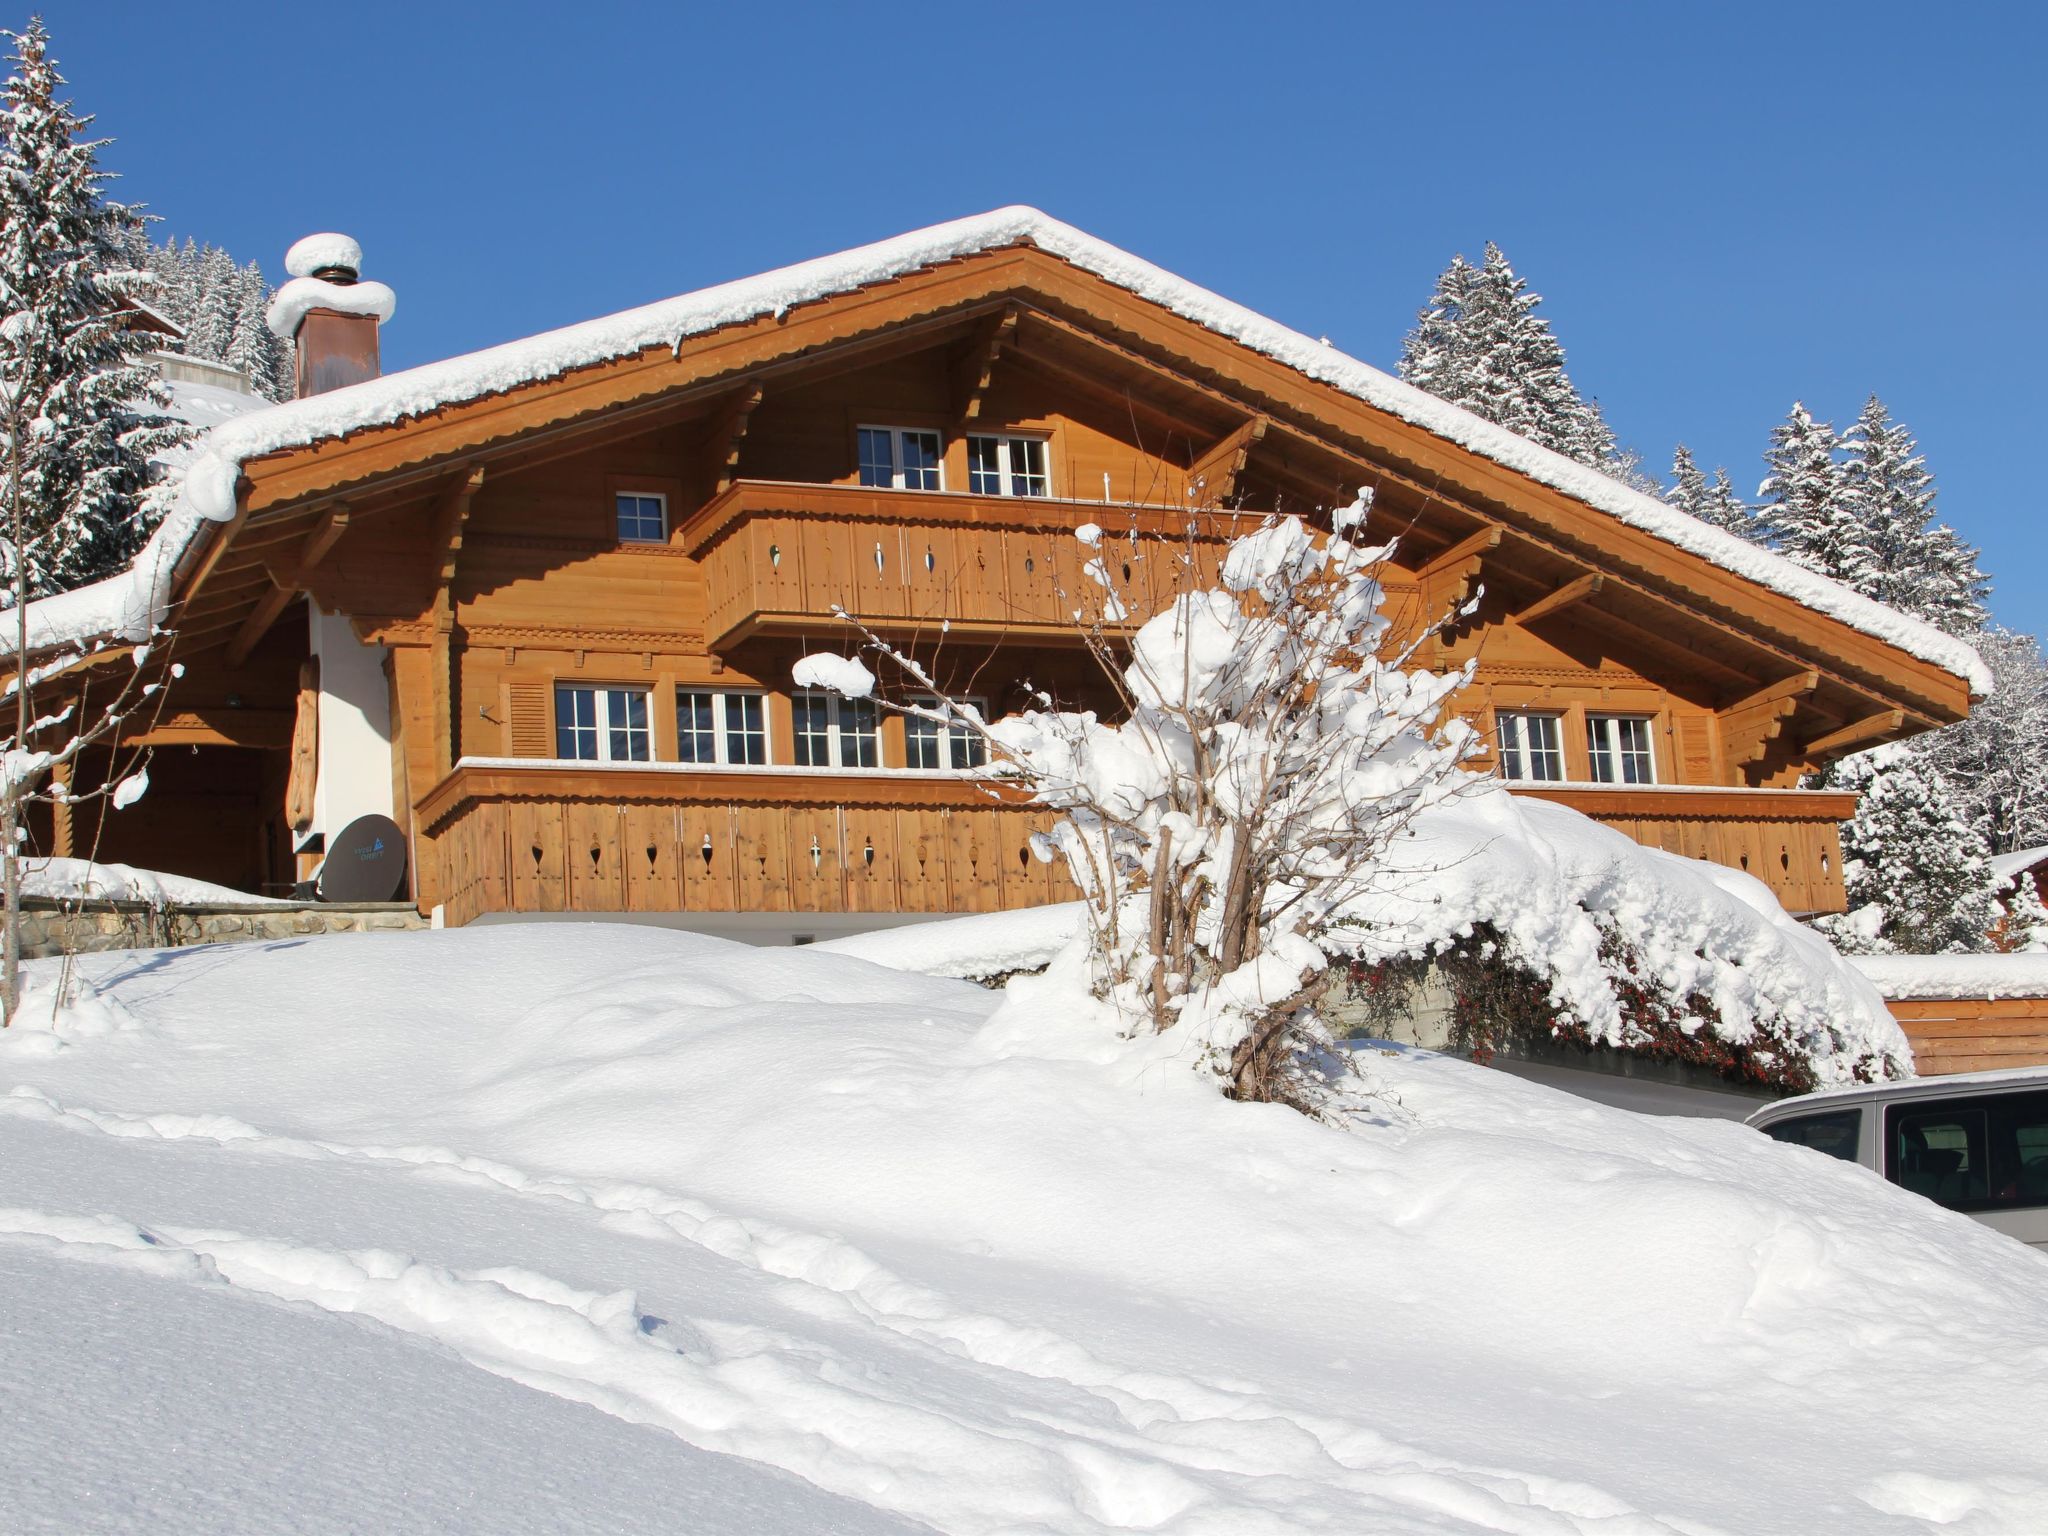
(453, 517)
(1570, 595)
(326, 534)
(1798, 685)
(718, 448)
(976, 369)
(1857, 733)
(269, 608)
(1212, 478)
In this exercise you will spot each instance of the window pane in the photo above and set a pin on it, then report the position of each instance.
(877, 456)
(1027, 467)
(920, 461)
(920, 741)
(811, 715)
(1546, 754)
(984, 466)
(1941, 1153)
(1509, 730)
(857, 745)
(1835, 1133)
(640, 519)
(629, 741)
(746, 730)
(968, 751)
(576, 724)
(696, 740)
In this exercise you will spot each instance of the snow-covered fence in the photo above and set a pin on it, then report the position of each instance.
(1966, 1013)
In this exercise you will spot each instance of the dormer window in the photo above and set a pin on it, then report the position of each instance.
(642, 517)
(1007, 466)
(901, 458)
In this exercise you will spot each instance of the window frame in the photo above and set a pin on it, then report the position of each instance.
(839, 707)
(1597, 726)
(1006, 473)
(602, 726)
(2002, 1112)
(1519, 753)
(944, 737)
(660, 498)
(897, 433)
(722, 726)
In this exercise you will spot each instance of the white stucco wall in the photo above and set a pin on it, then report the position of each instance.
(355, 727)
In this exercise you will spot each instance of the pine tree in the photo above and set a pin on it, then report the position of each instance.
(218, 303)
(1918, 875)
(87, 407)
(1481, 345)
(264, 357)
(1712, 501)
(1994, 757)
(1918, 566)
(1807, 510)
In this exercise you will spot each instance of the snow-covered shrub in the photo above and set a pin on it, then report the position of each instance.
(1267, 756)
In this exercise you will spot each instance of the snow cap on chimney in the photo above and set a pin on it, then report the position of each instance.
(329, 314)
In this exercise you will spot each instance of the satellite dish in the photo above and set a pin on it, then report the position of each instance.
(365, 863)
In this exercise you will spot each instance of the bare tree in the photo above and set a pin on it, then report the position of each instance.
(40, 754)
(1266, 756)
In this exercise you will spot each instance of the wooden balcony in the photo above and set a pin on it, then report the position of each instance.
(779, 556)
(510, 835)
(1788, 838)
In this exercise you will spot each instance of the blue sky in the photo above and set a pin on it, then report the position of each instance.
(1726, 208)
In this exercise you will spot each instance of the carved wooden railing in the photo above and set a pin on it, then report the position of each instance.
(781, 555)
(502, 835)
(1788, 838)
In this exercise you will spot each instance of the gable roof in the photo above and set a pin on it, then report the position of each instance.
(127, 605)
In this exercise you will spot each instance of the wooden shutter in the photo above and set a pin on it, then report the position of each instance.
(528, 726)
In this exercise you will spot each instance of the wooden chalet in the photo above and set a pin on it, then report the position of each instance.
(541, 604)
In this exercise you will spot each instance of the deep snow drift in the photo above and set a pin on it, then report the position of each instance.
(699, 1217)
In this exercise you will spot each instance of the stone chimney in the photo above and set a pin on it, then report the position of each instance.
(329, 314)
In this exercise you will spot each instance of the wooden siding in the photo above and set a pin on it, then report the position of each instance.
(1974, 1034)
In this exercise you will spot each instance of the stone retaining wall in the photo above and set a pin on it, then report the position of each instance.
(53, 927)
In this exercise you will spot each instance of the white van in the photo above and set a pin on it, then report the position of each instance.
(1976, 1142)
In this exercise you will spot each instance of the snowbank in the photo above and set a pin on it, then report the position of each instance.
(72, 879)
(986, 945)
(1956, 976)
(962, 1259)
(418, 391)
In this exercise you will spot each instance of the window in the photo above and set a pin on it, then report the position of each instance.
(1619, 748)
(1007, 466)
(1835, 1133)
(832, 732)
(721, 728)
(902, 458)
(602, 725)
(928, 744)
(643, 518)
(1988, 1152)
(1529, 746)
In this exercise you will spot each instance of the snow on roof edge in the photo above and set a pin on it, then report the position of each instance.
(394, 397)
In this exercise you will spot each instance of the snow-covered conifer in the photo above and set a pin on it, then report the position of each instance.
(87, 407)
(1481, 345)
(1918, 875)
(1712, 501)
(1916, 565)
(1994, 759)
(1807, 511)
(263, 356)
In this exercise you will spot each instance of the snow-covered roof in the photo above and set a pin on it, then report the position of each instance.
(395, 397)
(1956, 976)
(2010, 866)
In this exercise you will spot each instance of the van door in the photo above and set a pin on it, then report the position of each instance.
(1985, 1154)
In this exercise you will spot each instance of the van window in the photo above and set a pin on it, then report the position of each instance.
(1986, 1153)
(1835, 1133)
